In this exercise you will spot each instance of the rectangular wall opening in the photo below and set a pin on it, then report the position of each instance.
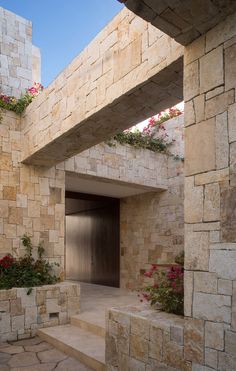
(93, 239)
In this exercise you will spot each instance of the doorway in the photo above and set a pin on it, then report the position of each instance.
(92, 239)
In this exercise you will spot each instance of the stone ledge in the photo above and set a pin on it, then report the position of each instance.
(50, 305)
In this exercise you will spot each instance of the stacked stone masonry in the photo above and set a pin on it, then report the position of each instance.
(183, 20)
(98, 94)
(19, 59)
(22, 313)
(210, 238)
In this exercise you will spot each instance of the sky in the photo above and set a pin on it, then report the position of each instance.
(62, 28)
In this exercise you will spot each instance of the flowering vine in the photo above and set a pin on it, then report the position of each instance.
(18, 105)
(152, 137)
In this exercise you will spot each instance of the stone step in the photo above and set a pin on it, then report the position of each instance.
(90, 322)
(87, 347)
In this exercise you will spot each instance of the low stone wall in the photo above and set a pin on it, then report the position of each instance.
(143, 339)
(50, 305)
(139, 338)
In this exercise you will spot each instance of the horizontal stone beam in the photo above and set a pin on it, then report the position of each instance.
(183, 20)
(129, 72)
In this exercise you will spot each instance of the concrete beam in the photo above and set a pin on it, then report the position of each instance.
(183, 20)
(129, 72)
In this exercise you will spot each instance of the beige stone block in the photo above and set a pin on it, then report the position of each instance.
(7, 294)
(4, 208)
(195, 50)
(230, 69)
(140, 326)
(222, 32)
(9, 193)
(4, 306)
(225, 287)
(199, 108)
(222, 141)
(223, 263)
(189, 114)
(27, 300)
(200, 147)
(194, 340)
(196, 250)
(138, 348)
(17, 323)
(219, 104)
(21, 200)
(31, 315)
(212, 177)
(16, 307)
(216, 308)
(211, 358)
(5, 323)
(33, 209)
(188, 293)
(232, 123)
(173, 354)
(212, 202)
(205, 282)
(214, 335)
(232, 151)
(193, 201)
(191, 80)
(210, 77)
(214, 92)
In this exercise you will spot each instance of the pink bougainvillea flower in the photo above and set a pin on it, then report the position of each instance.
(148, 274)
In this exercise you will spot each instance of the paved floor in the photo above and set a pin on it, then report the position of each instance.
(36, 355)
(96, 299)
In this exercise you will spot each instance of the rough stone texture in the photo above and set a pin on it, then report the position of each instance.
(17, 54)
(35, 311)
(185, 21)
(32, 358)
(146, 239)
(113, 95)
(31, 198)
(200, 140)
(210, 164)
(155, 340)
(211, 307)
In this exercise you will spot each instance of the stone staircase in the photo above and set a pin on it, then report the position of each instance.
(83, 339)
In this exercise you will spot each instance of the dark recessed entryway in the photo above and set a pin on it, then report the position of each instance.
(92, 239)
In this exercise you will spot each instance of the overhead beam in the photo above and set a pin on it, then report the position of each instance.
(129, 72)
(184, 20)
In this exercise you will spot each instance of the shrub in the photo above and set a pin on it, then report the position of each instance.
(167, 291)
(153, 136)
(26, 271)
(19, 105)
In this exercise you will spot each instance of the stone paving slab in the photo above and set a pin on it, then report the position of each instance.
(36, 355)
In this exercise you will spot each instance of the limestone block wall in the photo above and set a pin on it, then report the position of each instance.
(16, 54)
(210, 207)
(121, 163)
(31, 198)
(117, 81)
(50, 305)
(152, 227)
(140, 338)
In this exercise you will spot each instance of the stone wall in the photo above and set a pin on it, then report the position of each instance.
(16, 54)
(122, 164)
(98, 94)
(142, 339)
(32, 199)
(210, 208)
(183, 20)
(50, 305)
(152, 227)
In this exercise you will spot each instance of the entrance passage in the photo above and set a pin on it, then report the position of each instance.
(92, 239)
